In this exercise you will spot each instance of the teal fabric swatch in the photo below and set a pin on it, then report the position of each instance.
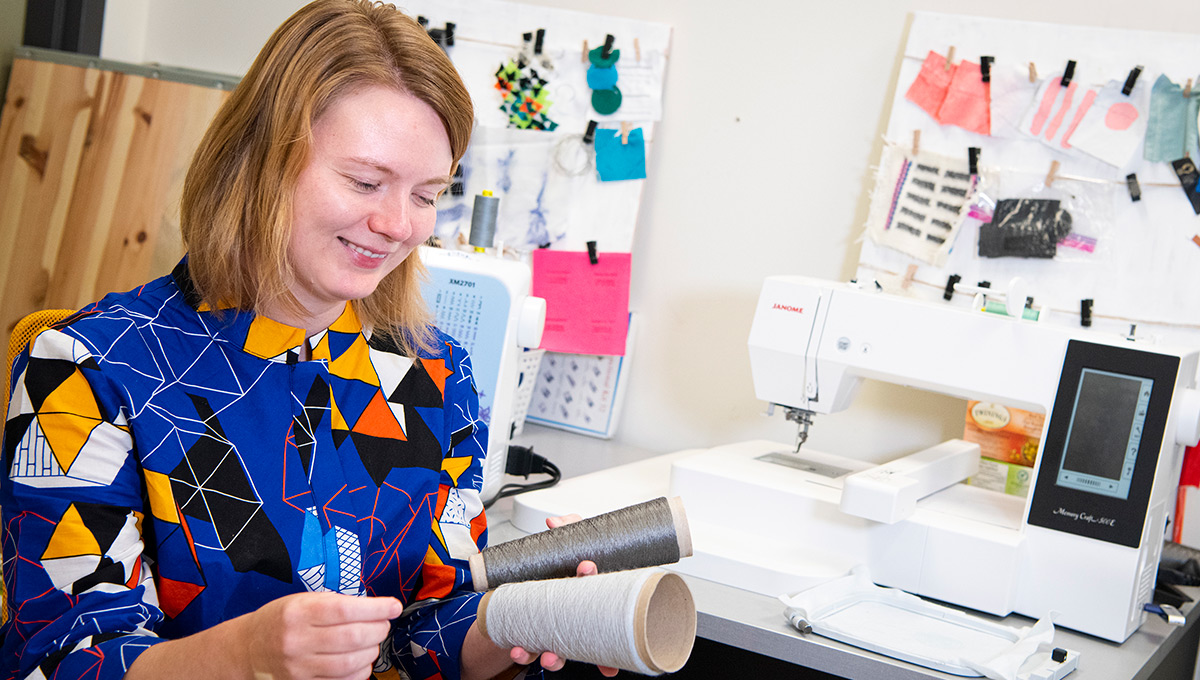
(1171, 130)
(617, 161)
(601, 78)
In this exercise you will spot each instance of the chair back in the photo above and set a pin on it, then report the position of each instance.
(23, 333)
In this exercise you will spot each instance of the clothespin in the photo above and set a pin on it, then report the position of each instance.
(1085, 312)
(537, 45)
(591, 132)
(1131, 80)
(1053, 174)
(584, 58)
(1196, 239)
(637, 50)
(973, 160)
(591, 246)
(1187, 89)
(908, 277)
(985, 68)
(948, 294)
(1068, 74)
(949, 57)
(608, 44)
(916, 149)
(624, 132)
(1135, 189)
(1032, 73)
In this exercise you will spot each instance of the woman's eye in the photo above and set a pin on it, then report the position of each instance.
(427, 201)
(363, 186)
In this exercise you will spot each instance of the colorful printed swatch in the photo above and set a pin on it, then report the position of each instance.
(1057, 111)
(524, 96)
(1114, 126)
(919, 203)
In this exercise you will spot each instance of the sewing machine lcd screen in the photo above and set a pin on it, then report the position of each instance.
(1105, 432)
(1101, 449)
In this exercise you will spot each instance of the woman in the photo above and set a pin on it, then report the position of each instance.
(200, 470)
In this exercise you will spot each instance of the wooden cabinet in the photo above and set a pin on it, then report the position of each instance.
(92, 159)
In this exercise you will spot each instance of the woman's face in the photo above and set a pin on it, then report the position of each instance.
(366, 199)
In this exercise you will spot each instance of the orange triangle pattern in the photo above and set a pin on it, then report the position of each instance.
(71, 538)
(436, 368)
(377, 420)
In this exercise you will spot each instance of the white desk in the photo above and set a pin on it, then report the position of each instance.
(753, 622)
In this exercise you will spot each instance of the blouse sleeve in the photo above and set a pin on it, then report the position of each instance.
(82, 601)
(429, 641)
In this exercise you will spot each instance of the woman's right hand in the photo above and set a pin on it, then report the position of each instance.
(318, 635)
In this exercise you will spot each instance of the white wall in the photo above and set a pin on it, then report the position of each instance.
(773, 115)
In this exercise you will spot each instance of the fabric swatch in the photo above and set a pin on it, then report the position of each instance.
(967, 102)
(1171, 130)
(1025, 227)
(1115, 125)
(919, 202)
(616, 161)
(929, 89)
(1057, 111)
(954, 95)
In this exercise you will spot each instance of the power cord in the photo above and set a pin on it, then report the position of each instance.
(522, 462)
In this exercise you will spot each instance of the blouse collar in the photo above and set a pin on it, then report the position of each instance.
(272, 340)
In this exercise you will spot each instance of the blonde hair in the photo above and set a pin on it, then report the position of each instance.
(236, 209)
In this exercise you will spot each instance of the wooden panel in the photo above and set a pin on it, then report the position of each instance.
(41, 139)
(91, 168)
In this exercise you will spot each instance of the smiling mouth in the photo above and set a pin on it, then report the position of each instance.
(362, 251)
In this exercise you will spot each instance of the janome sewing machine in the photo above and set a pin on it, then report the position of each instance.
(776, 518)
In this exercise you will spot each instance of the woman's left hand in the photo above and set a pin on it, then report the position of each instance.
(549, 660)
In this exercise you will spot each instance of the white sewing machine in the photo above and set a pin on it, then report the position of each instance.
(484, 302)
(774, 518)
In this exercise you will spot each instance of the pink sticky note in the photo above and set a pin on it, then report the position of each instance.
(587, 305)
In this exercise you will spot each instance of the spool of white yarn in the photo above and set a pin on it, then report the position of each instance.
(643, 620)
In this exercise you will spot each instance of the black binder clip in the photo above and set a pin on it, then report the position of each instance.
(606, 52)
(973, 160)
(423, 21)
(1131, 80)
(984, 284)
(948, 294)
(456, 187)
(1135, 189)
(985, 68)
(591, 246)
(537, 44)
(1085, 312)
(591, 132)
(444, 37)
(1068, 74)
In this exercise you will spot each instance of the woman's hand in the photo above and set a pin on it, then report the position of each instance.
(318, 635)
(297, 637)
(549, 660)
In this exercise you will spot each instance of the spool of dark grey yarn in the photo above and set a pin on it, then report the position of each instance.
(483, 220)
(648, 534)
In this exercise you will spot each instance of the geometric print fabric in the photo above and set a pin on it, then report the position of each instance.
(244, 474)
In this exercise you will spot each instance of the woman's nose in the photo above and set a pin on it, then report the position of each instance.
(391, 219)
